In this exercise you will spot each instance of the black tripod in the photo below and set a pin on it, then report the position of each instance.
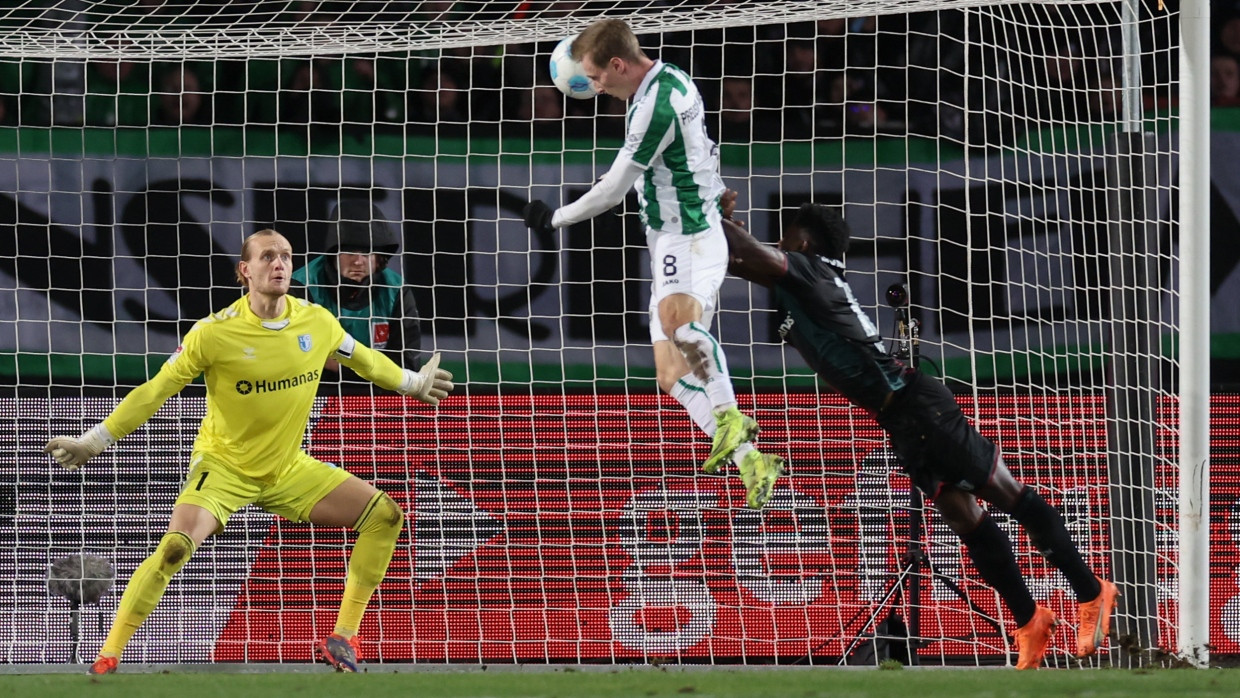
(892, 637)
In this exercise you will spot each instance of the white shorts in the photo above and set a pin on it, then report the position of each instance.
(690, 264)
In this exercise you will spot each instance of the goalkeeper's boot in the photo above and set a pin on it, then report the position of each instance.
(759, 471)
(341, 653)
(1096, 619)
(103, 665)
(731, 430)
(1034, 637)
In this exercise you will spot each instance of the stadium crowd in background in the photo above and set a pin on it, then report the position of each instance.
(817, 79)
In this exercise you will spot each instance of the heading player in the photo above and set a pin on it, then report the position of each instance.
(261, 359)
(673, 165)
(943, 454)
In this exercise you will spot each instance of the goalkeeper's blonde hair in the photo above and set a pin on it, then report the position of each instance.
(246, 251)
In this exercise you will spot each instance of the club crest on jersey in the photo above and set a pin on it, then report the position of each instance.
(303, 341)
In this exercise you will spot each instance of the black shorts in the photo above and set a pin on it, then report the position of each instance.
(933, 441)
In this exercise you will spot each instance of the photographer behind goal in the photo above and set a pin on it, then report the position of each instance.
(353, 281)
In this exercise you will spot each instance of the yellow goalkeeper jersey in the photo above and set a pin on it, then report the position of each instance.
(261, 377)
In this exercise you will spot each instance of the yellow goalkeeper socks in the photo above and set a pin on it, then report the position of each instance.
(377, 530)
(146, 588)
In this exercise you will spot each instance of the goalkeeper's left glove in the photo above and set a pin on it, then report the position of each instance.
(538, 216)
(430, 385)
(72, 453)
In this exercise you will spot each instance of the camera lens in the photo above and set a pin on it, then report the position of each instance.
(897, 295)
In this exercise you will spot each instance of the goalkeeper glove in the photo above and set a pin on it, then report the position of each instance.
(72, 453)
(429, 385)
(538, 216)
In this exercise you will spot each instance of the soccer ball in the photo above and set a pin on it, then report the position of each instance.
(567, 73)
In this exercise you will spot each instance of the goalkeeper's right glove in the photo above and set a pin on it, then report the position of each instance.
(72, 453)
(538, 217)
(429, 385)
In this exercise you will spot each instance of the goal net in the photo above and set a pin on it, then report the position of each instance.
(1012, 165)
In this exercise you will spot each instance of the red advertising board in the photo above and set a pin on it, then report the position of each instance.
(577, 528)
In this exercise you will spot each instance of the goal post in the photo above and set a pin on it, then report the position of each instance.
(1022, 169)
(1195, 500)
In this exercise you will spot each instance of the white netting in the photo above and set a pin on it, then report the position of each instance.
(556, 511)
(172, 29)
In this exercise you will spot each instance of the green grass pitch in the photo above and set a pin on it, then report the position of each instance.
(796, 682)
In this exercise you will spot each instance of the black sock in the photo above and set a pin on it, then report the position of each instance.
(990, 549)
(1046, 529)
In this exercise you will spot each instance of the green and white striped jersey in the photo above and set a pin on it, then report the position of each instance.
(666, 136)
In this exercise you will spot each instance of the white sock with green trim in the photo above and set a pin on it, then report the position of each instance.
(690, 393)
(697, 343)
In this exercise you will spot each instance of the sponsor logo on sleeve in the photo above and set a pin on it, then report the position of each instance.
(632, 141)
(786, 326)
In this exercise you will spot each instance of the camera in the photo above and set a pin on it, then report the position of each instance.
(897, 295)
(907, 328)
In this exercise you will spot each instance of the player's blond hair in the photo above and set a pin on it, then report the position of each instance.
(607, 39)
(246, 251)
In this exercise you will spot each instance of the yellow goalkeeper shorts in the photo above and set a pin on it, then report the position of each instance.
(297, 487)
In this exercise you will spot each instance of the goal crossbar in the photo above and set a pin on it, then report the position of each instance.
(43, 33)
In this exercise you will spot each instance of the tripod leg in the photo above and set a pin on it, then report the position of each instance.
(892, 592)
(75, 617)
(917, 554)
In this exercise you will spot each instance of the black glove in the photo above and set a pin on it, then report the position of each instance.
(538, 217)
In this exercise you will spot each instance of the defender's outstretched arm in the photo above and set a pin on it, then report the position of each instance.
(752, 260)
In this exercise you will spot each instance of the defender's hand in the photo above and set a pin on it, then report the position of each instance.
(727, 204)
(537, 216)
(430, 385)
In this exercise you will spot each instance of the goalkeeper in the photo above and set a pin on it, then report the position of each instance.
(673, 165)
(261, 358)
(944, 455)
